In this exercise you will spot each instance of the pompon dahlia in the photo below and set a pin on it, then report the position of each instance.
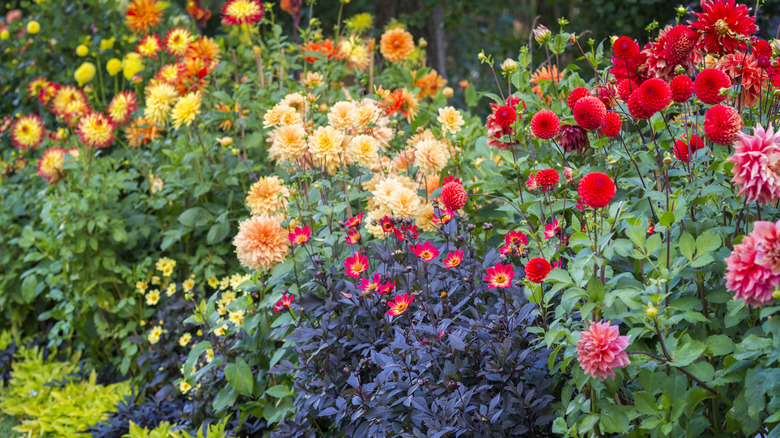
(96, 130)
(611, 124)
(589, 112)
(261, 242)
(238, 12)
(680, 42)
(504, 116)
(547, 178)
(683, 150)
(143, 15)
(601, 349)
(545, 124)
(757, 165)
(27, 132)
(50, 165)
(654, 94)
(572, 138)
(453, 196)
(575, 96)
(724, 26)
(626, 88)
(681, 88)
(744, 71)
(122, 107)
(536, 270)
(745, 276)
(722, 124)
(396, 44)
(625, 48)
(596, 190)
(637, 110)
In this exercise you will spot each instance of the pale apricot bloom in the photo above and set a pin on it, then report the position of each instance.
(261, 242)
(450, 119)
(343, 115)
(404, 203)
(313, 79)
(367, 113)
(267, 196)
(281, 115)
(365, 150)
(326, 143)
(297, 101)
(430, 156)
(384, 190)
(396, 44)
(289, 142)
(375, 230)
(424, 217)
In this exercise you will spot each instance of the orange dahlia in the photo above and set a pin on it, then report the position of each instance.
(27, 132)
(743, 70)
(96, 130)
(143, 15)
(140, 132)
(545, 74)
(323, 48)
(430, 84)
(396, 44)
(261, 242)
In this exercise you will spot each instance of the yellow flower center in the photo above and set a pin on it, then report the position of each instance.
(722, 27)
(400, 307)
(499, 279)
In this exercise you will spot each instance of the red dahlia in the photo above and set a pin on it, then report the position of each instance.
(453, 196)
(611, 124)
(605, 94)
(505, 115)
(762, 48)
(708, 84)
(654, 94)
(589, 112)
(625, 48)
(683, 150)
(680, 41)
(722, 124)
(572, 138)
(596, 190)
(682, 88)
(545, 124)
(724, 26)
(547, 178)
(536, 270)
(636, 109)
(626, 88)
(575, 96)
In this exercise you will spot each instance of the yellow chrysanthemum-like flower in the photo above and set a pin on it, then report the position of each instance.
(178, 41)
(224, 283)
(185, 339)
(431, 156)
(281, 115)
(261, 242)
(396, 44)
(237, 317)
(27, 132)
(168, 73)
(360, 23)
(131, 65)
(149, 46)
(50, 165)
(289, 142)
(85, 73)
(171, 287)
(113, 66)
(342, 115)
(313, 79)
(367, 112)
(154, 334)
(159, 99)
(107, 43)
(424, 217)
(297, 101)
(237, 12)
(96, 130)
(184, 386)
(122, 107)
(164, 262)
(141, 286)
(326, 143)
(358, 55)
(450, 119)
(220, 331)
(213, 282)
(209, 355)
(404, 203)
(143, 15)
(153, 297)
(365, 150)
(186, 109)
(267, 196)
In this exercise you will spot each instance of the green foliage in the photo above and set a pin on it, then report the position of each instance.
(166, 430)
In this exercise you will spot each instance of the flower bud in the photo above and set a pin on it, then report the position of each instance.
(568, 173)
(775, 44)
(448, 92)
(542, 34)
(463, 84)
(422, 42)
(4, 35)
(652, 312)
(82, 50)
(509, 65)
(667, 160)
(481, 56)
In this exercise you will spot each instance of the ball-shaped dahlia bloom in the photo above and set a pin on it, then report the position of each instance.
(261, 242)
(596, 190)
(575, 96)
(637, 110)
(626, 88)
(589, 112)
(545, 125)
(536, 270)
(654, 94)
(757, 165)
(547, 178)
(625, 48)
(707, 86)
(722, 124)
(683, 150)
(679, 42)
(453, 196)
(601, 349)
(681, 88)
(611, 124)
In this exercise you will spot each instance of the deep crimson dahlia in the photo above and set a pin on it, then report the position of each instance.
(611, 124)
(724, 25)
(572, 138)
(545, 124)
(626, 88)
(762, 48)
(654, 94)
(547, 178)
(536, 270)
(453, 196)
(722, 124)
(636, 109)
(680, 41)
(682, 88)
(589, 112)
(708, 84)
(575, 96)
(625, 48)
(596, 190)
(505, 115)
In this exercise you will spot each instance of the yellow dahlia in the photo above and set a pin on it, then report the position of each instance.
(296, 101)
(177, 41)
(122, 107)
(396, 44)
(50, 165)
(431, 156)
(289, 142)
(450, 119)
(313, 79)
(168, 73)
(143, 15)
(358, 55)
(159, 98)
(364, 149)
(366, 113)
(342, 115)
(261, 242)
(424, 217)
(384, 189)
(186, 109)
(27, 132)
(267, 196)
(149, 46)
(404, 203)
(326, 143)
(96, 130)
(237, 12)
(85, 73)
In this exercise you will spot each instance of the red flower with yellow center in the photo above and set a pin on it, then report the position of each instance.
(96, 130)
(499, 276)
(400, 304)
(425, 251)
(445, 216)
(27, 132)
(354, 221)
(516, 238)
(387, 224)
(453, 259)
(299, 236)
(386, 288)
(550, 230)
(284, 303)
(352, 237)
(34, 87)
(356, 265)
(372, 285)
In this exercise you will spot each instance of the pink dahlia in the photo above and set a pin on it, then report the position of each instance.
(601, 349)
(745, 277)
(768, 245)
(757, 165)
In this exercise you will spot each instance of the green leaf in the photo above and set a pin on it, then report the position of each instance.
(645, 403)
(667, 219)
(218, 232)
(278, 391)
(225, 398)
(29, 286)
(719, 345)
(239, 376)
(637, 234)
(613, 420)
(687, 245)
(688, 351)
(194, 216)
(752, 346)
(595, 289)
(707, 243)
(119, 234)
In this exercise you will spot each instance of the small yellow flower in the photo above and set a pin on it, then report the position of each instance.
(220, 331)
(156, 280)
(4, 35)
(228, 297)
(213, 282)
(224, 283)
(185, 339)
(199, 332)
(154, 334)
(153, 297)
(141, 286)
(113, 66)
(171, 289)
(209, 355)
(167, 271)
(184, 386)
(82, 50)
(188, 284)
(107, 44)
(237, 317)
(33, 27)
(85, 73)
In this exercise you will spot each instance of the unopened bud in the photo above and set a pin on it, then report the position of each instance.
(509, 65)
(541, 34)
(422, 43)
(667, 160)
(652, 312)
(448, 92)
